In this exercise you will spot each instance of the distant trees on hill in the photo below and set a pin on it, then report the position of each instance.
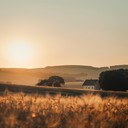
(55, 81)
(116, 80)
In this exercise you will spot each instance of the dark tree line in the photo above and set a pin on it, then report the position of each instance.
(55, 81)
(116, 80)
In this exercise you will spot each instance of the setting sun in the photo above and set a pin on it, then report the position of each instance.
(20, 52)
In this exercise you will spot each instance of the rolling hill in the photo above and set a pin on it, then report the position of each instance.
(71, 73)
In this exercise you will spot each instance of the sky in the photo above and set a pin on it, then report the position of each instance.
(39, 33)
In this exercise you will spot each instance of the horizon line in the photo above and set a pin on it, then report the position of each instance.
(61, 66)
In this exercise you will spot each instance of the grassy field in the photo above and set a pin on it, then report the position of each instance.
(73, 84)
(87, 111)
(61, 90)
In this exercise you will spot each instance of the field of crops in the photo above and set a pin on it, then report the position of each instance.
(36, 111)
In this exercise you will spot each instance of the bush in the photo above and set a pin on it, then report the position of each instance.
(116, 80)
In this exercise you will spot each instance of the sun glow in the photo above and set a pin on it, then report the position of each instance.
(20, 53)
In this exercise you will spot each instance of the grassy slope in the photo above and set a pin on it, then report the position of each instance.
(18, 78)
(55, 90)
(31, 76)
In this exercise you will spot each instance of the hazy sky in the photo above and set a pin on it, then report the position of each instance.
(61, 32)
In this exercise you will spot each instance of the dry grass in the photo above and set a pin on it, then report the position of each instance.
(35, 111)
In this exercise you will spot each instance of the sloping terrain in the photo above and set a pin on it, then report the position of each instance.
(71, 73)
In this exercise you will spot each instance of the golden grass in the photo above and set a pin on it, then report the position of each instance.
(88, 111)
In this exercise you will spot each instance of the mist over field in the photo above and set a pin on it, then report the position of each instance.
(73, 74)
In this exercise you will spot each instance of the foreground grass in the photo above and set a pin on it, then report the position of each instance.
(35, 111)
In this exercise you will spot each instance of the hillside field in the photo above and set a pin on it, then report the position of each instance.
(73, 84)
(43, 90)
(70, 73)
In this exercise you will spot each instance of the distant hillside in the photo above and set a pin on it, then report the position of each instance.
(119, 66)
(70, 69)
(69, 72)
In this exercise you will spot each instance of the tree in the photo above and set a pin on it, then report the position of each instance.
(55, 81)
(116, 80)
(42, 82)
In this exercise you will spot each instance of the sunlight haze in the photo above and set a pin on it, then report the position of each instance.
(39, 33)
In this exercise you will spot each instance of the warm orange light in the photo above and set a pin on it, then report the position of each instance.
(20, 53)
